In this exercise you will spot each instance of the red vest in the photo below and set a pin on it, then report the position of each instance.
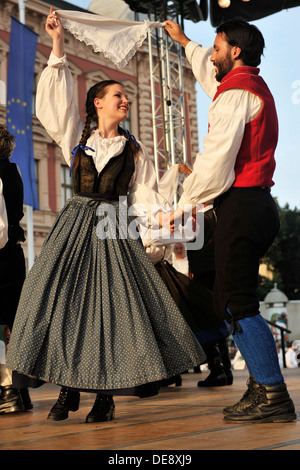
(255, 163)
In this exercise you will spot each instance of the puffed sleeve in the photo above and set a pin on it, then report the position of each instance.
(213, 170)
(203, 68)
(55, 106)
(148, 196)
(146, 190)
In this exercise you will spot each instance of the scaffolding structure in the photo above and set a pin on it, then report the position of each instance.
(167, 94)
(166, 78)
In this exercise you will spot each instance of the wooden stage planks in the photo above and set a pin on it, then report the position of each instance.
(178, 419)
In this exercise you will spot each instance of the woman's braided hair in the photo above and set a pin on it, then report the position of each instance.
(97, 91)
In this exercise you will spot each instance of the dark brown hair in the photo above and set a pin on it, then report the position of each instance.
(246, 36)
(97, 91)
(7, 143)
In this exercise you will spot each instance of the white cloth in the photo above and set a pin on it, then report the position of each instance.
(181, 265)
(238, 362)
(118, 40)
(291, 358)
(280, 358)
(213, 170)
(3, 218)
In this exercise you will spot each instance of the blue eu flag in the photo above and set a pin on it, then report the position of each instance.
(22, 50)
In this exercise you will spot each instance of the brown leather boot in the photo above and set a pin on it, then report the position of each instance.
(246, 399)
(10, 400)
(271, 404)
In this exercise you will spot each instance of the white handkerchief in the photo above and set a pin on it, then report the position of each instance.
(118, 40)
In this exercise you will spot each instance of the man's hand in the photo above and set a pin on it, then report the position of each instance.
(176, 33)
(170, 219)
(164, 220)
(184, 169)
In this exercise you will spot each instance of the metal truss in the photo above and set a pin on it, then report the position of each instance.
(166, 77)
(167, 93)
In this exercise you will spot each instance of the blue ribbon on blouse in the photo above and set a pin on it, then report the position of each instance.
(73, 153)
(130, 136)
(83, 147)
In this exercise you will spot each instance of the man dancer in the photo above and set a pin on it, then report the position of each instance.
(235, 170)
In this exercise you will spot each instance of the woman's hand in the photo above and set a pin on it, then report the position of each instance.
(55, 30)
(170, 219)
(163, 218)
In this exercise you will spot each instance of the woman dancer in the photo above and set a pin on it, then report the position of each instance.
(94, 314)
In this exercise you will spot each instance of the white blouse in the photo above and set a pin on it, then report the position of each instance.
(57, 112)
(213, 170)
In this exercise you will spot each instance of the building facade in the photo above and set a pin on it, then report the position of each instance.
(87, 68)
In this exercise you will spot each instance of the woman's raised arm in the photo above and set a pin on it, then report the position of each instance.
(55, 30)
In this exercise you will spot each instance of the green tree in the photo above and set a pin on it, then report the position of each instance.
(283, 258)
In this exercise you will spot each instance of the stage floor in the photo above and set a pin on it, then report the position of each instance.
(184, 418)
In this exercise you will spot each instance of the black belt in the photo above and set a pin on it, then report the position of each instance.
(222, 196)
(98, 197)
(252, 187)
(245, 188)
(95, 200)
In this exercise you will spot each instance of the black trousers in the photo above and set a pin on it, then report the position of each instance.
(201, 262)
(12, 276)
(247, 224)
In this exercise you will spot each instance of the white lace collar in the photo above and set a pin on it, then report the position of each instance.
(104, 149)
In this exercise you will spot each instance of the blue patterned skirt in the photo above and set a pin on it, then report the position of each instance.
(94, 313)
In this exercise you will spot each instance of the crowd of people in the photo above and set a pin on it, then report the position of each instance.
(95, 313)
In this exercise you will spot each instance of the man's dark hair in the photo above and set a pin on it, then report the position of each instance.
(246, 36)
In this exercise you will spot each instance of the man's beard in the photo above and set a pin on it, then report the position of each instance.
(224, 68)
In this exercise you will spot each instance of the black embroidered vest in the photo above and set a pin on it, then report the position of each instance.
(13, 195)
(113, 179)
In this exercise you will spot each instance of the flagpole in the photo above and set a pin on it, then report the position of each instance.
(29, 209)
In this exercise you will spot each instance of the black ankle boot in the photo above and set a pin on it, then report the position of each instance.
(246, 399)
(10, 400)
(217, 376)
(229, 377)
(68, 400)
(103, 409)
(271, 404)
(214, 379)
(26, 398)
(225, 359)
(176, 379)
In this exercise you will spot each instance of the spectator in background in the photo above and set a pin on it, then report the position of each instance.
(180, 261)
(12, 267)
